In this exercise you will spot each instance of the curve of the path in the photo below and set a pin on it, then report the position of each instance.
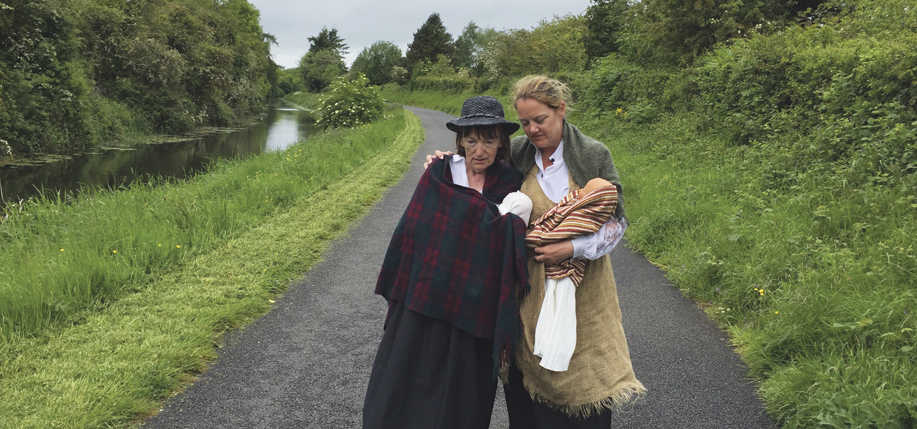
(306, 363)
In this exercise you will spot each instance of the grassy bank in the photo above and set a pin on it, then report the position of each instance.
(814, 283)
(160, 272)
(450, 103)
(307, 101)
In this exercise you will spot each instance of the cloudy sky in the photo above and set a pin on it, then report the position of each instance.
(363, 22)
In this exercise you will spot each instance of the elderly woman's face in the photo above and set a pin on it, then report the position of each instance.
(543, 125)
(480, 152)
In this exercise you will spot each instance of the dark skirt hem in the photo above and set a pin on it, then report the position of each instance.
(429, 374)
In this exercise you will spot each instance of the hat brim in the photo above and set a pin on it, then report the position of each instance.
(482, 121)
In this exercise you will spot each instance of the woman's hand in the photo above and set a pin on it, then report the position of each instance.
(436, 154)
(555, 253)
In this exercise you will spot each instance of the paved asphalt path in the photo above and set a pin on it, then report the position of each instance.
(306, 363)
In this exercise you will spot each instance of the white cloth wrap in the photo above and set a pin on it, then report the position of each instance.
(518, 204)
(555, 333)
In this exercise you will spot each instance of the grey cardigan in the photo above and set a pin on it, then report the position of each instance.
(586, 158)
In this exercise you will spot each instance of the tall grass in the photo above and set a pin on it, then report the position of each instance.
(816, 285)
(59, 256)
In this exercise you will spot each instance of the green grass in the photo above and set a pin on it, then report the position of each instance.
(304, 100)
(812, 275)
(449, 103)
(815, 282)
(60, 256)
(113, 361)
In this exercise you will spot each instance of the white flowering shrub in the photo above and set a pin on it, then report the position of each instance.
(350, 103)
(5, 149)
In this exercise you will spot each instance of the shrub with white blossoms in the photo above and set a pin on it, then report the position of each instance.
(350, 103)
(5, 149)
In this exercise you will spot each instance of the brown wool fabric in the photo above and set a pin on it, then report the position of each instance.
(600, 375)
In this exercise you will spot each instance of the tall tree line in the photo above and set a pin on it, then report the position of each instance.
(75, 73)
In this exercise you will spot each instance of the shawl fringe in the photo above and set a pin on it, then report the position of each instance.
(621, 401)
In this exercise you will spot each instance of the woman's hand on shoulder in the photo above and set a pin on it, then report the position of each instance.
(436, 154)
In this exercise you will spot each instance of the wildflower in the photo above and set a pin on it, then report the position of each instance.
(114, 251)
(177, 246)
(62, 250)
(776, 312)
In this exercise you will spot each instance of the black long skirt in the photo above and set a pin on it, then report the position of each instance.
(429, 374)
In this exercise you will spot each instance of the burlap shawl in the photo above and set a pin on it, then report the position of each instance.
(573, 216)
(453, 257)
(586, 158)
(600, 375)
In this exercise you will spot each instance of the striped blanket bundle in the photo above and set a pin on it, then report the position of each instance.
(573, 216)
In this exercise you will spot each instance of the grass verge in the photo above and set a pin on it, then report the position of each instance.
(59, 256)
(119, 360)
(815, 285)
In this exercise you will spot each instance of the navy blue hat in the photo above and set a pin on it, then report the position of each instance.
(481, 112)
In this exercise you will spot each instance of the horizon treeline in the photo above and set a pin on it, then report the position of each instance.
(78, 73)
(655, 33)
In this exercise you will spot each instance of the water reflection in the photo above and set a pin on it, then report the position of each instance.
(279, 128)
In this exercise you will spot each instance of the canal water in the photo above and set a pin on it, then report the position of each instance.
(178, 157)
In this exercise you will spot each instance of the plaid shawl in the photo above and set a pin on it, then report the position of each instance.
(572, 217)
(454, 258)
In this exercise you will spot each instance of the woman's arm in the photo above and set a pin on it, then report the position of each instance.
(600, 243)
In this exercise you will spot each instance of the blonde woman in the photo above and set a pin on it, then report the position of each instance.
(557, 158)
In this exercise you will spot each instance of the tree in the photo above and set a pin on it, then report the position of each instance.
(320, 68)
(557, 45)
(605, 21)
(429, 41)
(324, 61)
(328, 39)
(554, 46)
(682, 31)
(469, 45)
(377, 62)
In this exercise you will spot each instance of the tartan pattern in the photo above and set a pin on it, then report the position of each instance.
(572, 217)
(452, 256)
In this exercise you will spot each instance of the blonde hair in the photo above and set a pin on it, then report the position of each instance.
(541, 88)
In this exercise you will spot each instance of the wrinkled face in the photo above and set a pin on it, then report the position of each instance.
(480, 151)
(543, 125)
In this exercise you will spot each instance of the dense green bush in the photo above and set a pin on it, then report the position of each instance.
(644, 93)
(852, 98)
(350, 103)
(42, 84)
(73, 74)
(377, 62)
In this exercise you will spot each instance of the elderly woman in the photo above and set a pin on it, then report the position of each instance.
(452, 275)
